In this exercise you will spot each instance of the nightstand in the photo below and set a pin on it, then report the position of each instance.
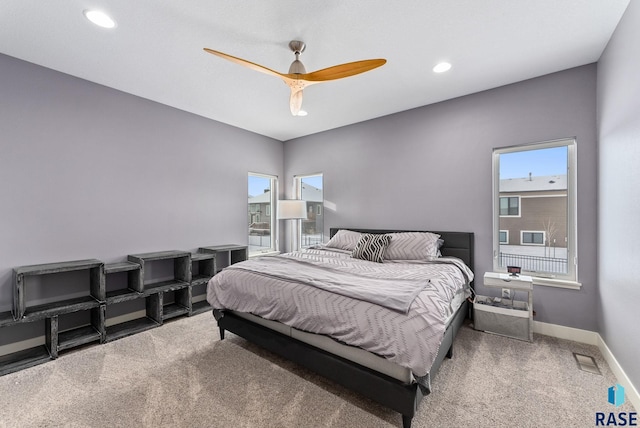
(506, 316)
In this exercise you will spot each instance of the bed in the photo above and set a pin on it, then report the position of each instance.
(323, 309)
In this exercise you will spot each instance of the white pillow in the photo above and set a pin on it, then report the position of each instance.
(412, 246)
(344, 240)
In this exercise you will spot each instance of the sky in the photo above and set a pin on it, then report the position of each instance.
(541, 162)
(258, 184)
(314, 180)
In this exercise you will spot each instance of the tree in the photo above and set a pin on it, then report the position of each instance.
(550, 231)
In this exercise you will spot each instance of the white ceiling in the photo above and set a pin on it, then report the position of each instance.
(155, 51)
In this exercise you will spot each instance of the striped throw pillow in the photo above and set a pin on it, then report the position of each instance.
(371, 247)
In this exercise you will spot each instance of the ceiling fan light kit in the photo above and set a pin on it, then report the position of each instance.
(441, 67)
(297, 78)
(99, 18)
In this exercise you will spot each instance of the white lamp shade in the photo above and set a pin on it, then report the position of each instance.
(292, 209)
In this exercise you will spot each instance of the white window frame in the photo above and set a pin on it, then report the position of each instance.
(506, 232)
(273, 218)
(570, 279)
(544, 237)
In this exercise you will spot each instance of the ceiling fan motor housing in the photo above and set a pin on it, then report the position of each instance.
(296, 66)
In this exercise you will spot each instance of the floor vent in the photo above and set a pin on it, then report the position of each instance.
(587, 363)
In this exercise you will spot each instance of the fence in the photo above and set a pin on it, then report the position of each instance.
(534, 263)
(307, 240)
(262, 242)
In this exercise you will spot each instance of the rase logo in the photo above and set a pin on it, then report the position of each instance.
(616, 395)
(616, 398)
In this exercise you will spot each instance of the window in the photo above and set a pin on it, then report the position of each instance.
(309, 188)
(534, 191)
(528, 237)
(509, 206)
(262, 197)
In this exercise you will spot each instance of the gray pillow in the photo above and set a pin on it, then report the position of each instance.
(412, 246)
(344, 240)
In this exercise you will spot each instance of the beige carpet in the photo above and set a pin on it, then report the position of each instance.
(182, 375)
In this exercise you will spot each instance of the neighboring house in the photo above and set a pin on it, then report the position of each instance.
(313, 224)
(533, 211)
(533, 223)
(260, 210)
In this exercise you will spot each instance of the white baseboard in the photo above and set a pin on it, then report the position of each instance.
(630, 390)
(592, 338)
(568, 333)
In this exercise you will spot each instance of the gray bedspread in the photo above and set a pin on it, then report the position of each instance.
(311, 298)
(397, 296)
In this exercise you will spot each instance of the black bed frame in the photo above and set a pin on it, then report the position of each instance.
(396, 395)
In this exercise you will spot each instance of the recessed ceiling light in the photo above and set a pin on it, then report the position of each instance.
(101, 19)
(442, 67)
(302, 113)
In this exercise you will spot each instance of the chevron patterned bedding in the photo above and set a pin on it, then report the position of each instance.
(310, 298)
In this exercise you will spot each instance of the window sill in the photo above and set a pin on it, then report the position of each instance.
(558, 283)
(268, 253)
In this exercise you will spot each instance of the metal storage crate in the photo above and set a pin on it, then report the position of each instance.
(510, 319)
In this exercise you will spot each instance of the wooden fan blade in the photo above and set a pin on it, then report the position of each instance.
(341, 71)
(244, 62)
(295, 101)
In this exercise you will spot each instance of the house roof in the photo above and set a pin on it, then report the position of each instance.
(311, 193)
(156, 51)
(263, 198)
(534, 184)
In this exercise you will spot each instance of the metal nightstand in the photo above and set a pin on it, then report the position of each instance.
(503, 316)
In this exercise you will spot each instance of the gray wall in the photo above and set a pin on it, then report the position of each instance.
(90, 172)
(619, 205)
(430, 168)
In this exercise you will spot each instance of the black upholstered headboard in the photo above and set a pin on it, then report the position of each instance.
(456, 244)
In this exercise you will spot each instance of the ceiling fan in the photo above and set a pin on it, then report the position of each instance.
(297, 78)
